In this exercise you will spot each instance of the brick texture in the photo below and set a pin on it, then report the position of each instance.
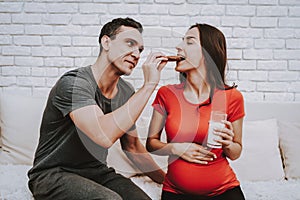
(41, 40)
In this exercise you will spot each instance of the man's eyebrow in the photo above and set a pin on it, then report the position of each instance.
(131, 39)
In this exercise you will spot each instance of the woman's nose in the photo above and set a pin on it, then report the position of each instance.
(179, 46)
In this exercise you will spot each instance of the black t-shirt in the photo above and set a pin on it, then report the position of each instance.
(63, 145)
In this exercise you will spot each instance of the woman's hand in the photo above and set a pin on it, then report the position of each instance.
(225, 133)
(193, 152)
(231, 138)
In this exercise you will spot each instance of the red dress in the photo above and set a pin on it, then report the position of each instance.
(188, 122)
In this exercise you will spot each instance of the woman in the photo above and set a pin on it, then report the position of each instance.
(196, 171)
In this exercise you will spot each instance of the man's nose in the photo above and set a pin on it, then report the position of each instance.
(136, 53)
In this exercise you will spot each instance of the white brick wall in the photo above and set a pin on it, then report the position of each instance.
(40, 40)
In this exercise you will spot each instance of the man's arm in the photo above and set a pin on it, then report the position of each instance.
(105, 129)
(138, 154)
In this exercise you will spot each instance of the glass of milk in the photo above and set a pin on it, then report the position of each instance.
(215, 121)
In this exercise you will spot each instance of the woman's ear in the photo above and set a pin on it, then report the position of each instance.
(105, 42)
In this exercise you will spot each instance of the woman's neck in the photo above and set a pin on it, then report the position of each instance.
(196, 89)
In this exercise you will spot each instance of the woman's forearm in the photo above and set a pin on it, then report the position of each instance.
(157, 147)
(233, 151)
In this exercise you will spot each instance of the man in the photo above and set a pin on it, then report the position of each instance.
(87, 111)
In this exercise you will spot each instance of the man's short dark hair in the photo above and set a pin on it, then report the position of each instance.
(113, 27)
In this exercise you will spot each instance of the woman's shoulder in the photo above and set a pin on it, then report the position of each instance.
(232, 94)
(235, 93)
(171, 87)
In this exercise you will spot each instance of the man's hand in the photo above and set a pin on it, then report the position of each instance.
(152, 67)
(138, 154)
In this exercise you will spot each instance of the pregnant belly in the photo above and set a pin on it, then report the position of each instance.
(207, 180)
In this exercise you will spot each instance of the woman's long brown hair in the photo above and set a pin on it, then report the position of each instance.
(214, 51)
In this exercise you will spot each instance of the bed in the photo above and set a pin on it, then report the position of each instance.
(268, 169)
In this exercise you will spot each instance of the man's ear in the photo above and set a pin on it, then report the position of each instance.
(105, 42)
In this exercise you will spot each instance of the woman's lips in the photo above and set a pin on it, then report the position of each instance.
(175, 58)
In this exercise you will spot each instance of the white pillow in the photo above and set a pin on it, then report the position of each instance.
(20, 119)
(260, 159)
(289, 135)
(0, 136)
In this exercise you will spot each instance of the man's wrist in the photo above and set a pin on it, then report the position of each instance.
(150, 86)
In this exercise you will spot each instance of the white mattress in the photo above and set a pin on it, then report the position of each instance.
(13, 186)
(258, 190)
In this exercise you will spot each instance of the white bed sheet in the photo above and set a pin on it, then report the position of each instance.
(258, 190)
(13, 186)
